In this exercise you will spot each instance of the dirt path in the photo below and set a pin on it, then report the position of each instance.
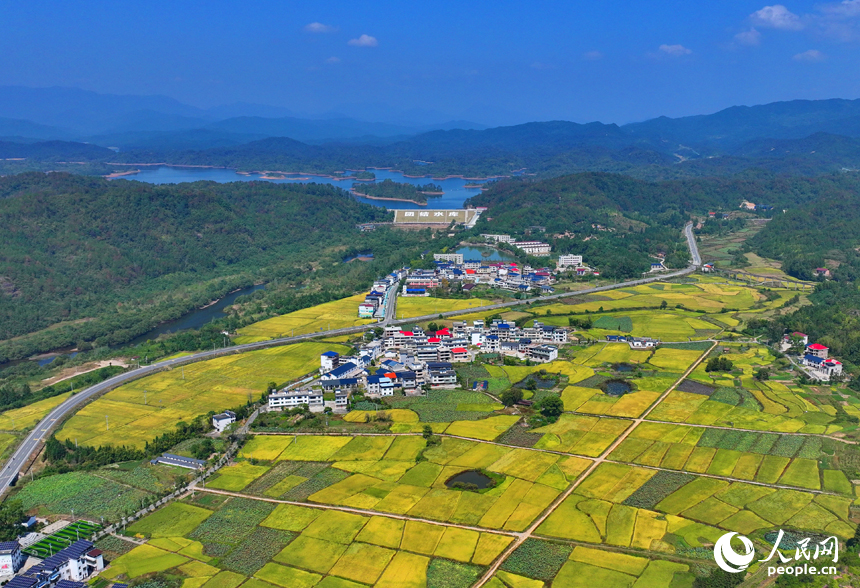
(82, 369)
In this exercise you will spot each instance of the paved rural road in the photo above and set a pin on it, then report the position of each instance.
(42, 431)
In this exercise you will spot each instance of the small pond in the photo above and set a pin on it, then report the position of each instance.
(545, 383)
(471, 477)
(623, 367)
(616, 387)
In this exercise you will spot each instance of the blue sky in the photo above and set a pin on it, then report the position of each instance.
(493, 62)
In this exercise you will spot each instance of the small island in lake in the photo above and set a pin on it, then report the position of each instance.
(390, 190)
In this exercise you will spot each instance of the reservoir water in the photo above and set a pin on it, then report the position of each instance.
(455, 188)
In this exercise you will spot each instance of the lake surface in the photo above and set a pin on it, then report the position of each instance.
(477, 253)
(455, 191)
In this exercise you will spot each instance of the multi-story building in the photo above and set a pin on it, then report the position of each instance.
(498, 238)
(569, 261)
(823, 368)
(452, 257)
(223, 420)
(347, 370)
(11, 557)
(542, 353)
(75, 563)
(441, 374)
(293, 398)
(533, 247)
(380, 386)
(817, 350)
(328, 361)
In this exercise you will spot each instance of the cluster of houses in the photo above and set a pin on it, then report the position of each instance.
(815, 358)
(409, 360)
(451, 267)
(375, 302)
(68, 568)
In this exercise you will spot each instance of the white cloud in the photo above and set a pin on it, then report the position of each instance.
(750, 37)
(364, 41)
(846, 8)
(318, 27)
(674, 50)
(592, 55)
(811, 56)
(333, 59)
(777, 17)
(834, 20)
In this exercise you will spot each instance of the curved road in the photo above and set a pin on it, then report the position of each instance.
(42, 431)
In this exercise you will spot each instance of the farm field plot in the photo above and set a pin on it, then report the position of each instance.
(86, 494)
(582, 435)
(421, 306)
(586, 567)
(331, 315)
(685, 407)
(595, 401)
(216, 384)
(628, 506)
(676, 325)
(380, 473)
(761, 457)
(443, 406)
(705, 295)
(299, 546)
(7, 440)
(25, 417)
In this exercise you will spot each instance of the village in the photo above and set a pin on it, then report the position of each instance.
(415, 361)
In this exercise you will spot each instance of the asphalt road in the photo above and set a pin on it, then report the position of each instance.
(42, 431)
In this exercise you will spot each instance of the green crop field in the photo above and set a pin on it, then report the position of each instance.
(184, 393)
(174, 520)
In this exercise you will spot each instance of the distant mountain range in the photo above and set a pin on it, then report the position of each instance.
(797, 137)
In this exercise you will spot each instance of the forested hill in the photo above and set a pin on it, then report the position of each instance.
(115, 257)
(821, 233)
(558, 202)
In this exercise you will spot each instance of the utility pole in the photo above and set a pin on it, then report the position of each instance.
(144, 397)
(107, 426)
